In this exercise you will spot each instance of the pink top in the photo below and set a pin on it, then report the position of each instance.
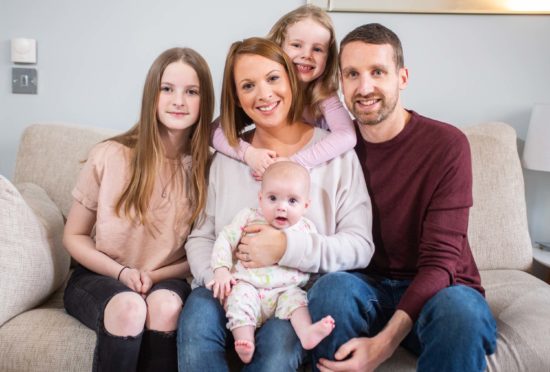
(341, 139)
(100, 183)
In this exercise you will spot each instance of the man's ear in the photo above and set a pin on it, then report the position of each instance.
(403, 78)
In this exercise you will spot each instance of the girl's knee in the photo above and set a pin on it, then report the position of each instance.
(163, 310)
(125, 314)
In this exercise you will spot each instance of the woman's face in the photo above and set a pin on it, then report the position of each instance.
(263, 89)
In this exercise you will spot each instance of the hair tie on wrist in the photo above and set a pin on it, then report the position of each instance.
(120, 272)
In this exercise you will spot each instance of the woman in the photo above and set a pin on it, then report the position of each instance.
(260, 85)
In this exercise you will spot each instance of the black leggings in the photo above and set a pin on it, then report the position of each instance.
(86, 297)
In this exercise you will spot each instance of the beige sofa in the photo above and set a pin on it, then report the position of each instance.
(37, 335)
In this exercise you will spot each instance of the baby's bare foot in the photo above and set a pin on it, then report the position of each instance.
(245, 350)
(317, 332)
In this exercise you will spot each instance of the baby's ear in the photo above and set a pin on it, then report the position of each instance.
(308, 202)
(260, 196)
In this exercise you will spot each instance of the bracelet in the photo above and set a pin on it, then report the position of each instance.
(120, 272)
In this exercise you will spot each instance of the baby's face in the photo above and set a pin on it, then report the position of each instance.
(283, 201)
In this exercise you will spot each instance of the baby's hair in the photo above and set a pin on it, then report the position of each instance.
(326, 84)
(288, 170)
(233, 117)
(145, 142)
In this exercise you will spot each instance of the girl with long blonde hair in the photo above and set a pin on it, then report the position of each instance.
(135, 201)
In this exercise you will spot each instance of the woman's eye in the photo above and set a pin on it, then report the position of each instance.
(165, 89)
(273, 78)
(247, 86)
(295, 45)
(193, 92)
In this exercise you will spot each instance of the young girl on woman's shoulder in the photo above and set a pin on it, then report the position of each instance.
(307, 36)
(142, 191)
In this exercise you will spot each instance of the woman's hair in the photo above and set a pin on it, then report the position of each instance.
(147, 149)
(326, 84)
(233, 117)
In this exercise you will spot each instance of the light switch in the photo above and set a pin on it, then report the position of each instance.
(24, 80)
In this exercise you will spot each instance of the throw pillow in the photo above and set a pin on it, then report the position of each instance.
(33, 262)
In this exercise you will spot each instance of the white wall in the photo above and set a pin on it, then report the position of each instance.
(93, 57)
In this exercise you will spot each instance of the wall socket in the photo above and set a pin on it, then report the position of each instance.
(24, 80)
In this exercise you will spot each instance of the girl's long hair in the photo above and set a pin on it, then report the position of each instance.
(327, 84)
(147, 151)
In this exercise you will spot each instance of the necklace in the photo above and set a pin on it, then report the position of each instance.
(164, 193)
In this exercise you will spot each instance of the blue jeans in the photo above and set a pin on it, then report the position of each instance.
(454, 331)
(202, 337)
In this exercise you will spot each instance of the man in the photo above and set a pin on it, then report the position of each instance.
(422, 288)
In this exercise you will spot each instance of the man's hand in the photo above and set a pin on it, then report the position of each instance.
(366, 354)
(265, 248)
(358, 354)
(221, 284)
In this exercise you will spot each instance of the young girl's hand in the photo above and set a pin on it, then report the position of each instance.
(258, 160)
(131, 278)
(221, 284)
(146, 282)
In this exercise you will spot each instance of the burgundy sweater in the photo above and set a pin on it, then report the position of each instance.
(420, 184)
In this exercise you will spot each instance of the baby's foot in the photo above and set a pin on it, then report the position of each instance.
(317, 332)
(245, 349)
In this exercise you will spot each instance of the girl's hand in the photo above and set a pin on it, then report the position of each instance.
(146, 282)
(221, 284)
(258, 160)
(131, 278)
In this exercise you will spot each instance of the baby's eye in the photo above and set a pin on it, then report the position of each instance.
(292, 201)
(272, 198)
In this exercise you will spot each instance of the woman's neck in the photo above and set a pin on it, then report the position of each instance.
(285, 140)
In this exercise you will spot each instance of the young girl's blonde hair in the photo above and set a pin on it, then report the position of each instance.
(326, 84)
(146, 147)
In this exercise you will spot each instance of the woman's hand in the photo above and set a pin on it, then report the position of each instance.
(221, 284)
(265, 248)
(258, 160)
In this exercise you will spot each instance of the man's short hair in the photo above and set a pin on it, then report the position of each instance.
(375, 33)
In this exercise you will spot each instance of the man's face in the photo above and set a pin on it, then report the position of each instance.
(371, 81)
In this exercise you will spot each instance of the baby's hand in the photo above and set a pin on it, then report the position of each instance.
(222, 283)
(258, 160)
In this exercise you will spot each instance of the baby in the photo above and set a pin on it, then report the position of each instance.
(254, 295)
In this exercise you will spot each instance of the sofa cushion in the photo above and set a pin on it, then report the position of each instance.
(33, 262)
(65, 146)
(521, 306)
(46, 339)
(498, 231)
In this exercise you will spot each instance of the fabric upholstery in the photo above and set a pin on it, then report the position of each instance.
(498, 231)
(33, 263)
(51, 156)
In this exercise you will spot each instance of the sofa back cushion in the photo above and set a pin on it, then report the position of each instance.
(51, 155)
(498, 231)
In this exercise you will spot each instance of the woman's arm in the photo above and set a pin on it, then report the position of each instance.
(341, 138)
(179, 269)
